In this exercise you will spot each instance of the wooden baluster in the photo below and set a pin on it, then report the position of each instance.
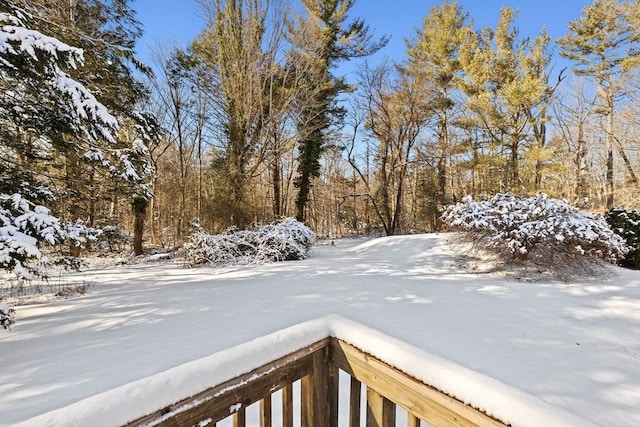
(240, 418)
(265, 412)
(413, 421)
(381, 412)
(306, 401)
(287, 406)
(355, 393)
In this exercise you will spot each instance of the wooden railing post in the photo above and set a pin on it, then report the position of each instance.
(412, 420)
(325, 389)
(333, 377)
(306, 401)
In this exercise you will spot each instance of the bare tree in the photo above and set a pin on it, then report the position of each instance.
(175, 109)
(398, 108)
(573, 112)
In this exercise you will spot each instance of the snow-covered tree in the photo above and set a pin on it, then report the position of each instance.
(46, 114)
(35, 85)
(536, 227)
(107, 30)
(23, 226)
(86, 147)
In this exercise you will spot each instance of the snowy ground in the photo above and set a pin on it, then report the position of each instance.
(573, 345)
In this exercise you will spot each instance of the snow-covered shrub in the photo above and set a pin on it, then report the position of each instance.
(287, 240)
(626, 224)
(7, 316)
(536, 227)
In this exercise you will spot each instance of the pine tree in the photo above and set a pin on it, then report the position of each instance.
(323, 38)
(433, 59)
(504, 84)
(97, 175)
(36, 85)
(604, 44)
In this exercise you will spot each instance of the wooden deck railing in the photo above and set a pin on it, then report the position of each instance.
(317, 367)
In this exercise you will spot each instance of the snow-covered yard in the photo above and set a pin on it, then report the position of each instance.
(573, 345)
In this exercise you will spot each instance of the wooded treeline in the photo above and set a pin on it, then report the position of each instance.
(254, 121)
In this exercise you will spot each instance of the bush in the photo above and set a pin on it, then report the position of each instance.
(7, 316)
(536, 227)
(287, 240)
(626, 224)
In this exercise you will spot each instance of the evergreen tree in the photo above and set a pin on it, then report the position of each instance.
(322, 39)
(604, 44)
(92, 178)
(36, 85)
(504, 83)
(433, 60)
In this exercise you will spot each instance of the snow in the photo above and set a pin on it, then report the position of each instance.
(540, 353)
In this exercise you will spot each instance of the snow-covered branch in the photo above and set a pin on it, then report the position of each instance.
(23, 226)
(26, 52)
(284, 241)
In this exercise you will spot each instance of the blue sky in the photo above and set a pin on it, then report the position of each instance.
(179, 20)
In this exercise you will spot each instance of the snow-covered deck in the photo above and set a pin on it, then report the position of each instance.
(134, 400)
(423, 303)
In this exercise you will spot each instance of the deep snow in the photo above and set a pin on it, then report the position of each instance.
(575, 345)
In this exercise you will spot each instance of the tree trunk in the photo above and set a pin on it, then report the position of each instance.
(73, 174)
(139, 208)
(152, 208)
(442, 172)
(308, 168)
(513, 164)
(610, 177)
(386, 200)
(303, 196)
(277, 189)
(542, 136)
(581, 167)
(395, 226)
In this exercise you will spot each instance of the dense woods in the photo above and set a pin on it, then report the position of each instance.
(254, 121)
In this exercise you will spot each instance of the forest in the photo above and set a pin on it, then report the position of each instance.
(253, 122)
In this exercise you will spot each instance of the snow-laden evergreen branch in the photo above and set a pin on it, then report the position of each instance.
(22, 226)
(27, 52)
